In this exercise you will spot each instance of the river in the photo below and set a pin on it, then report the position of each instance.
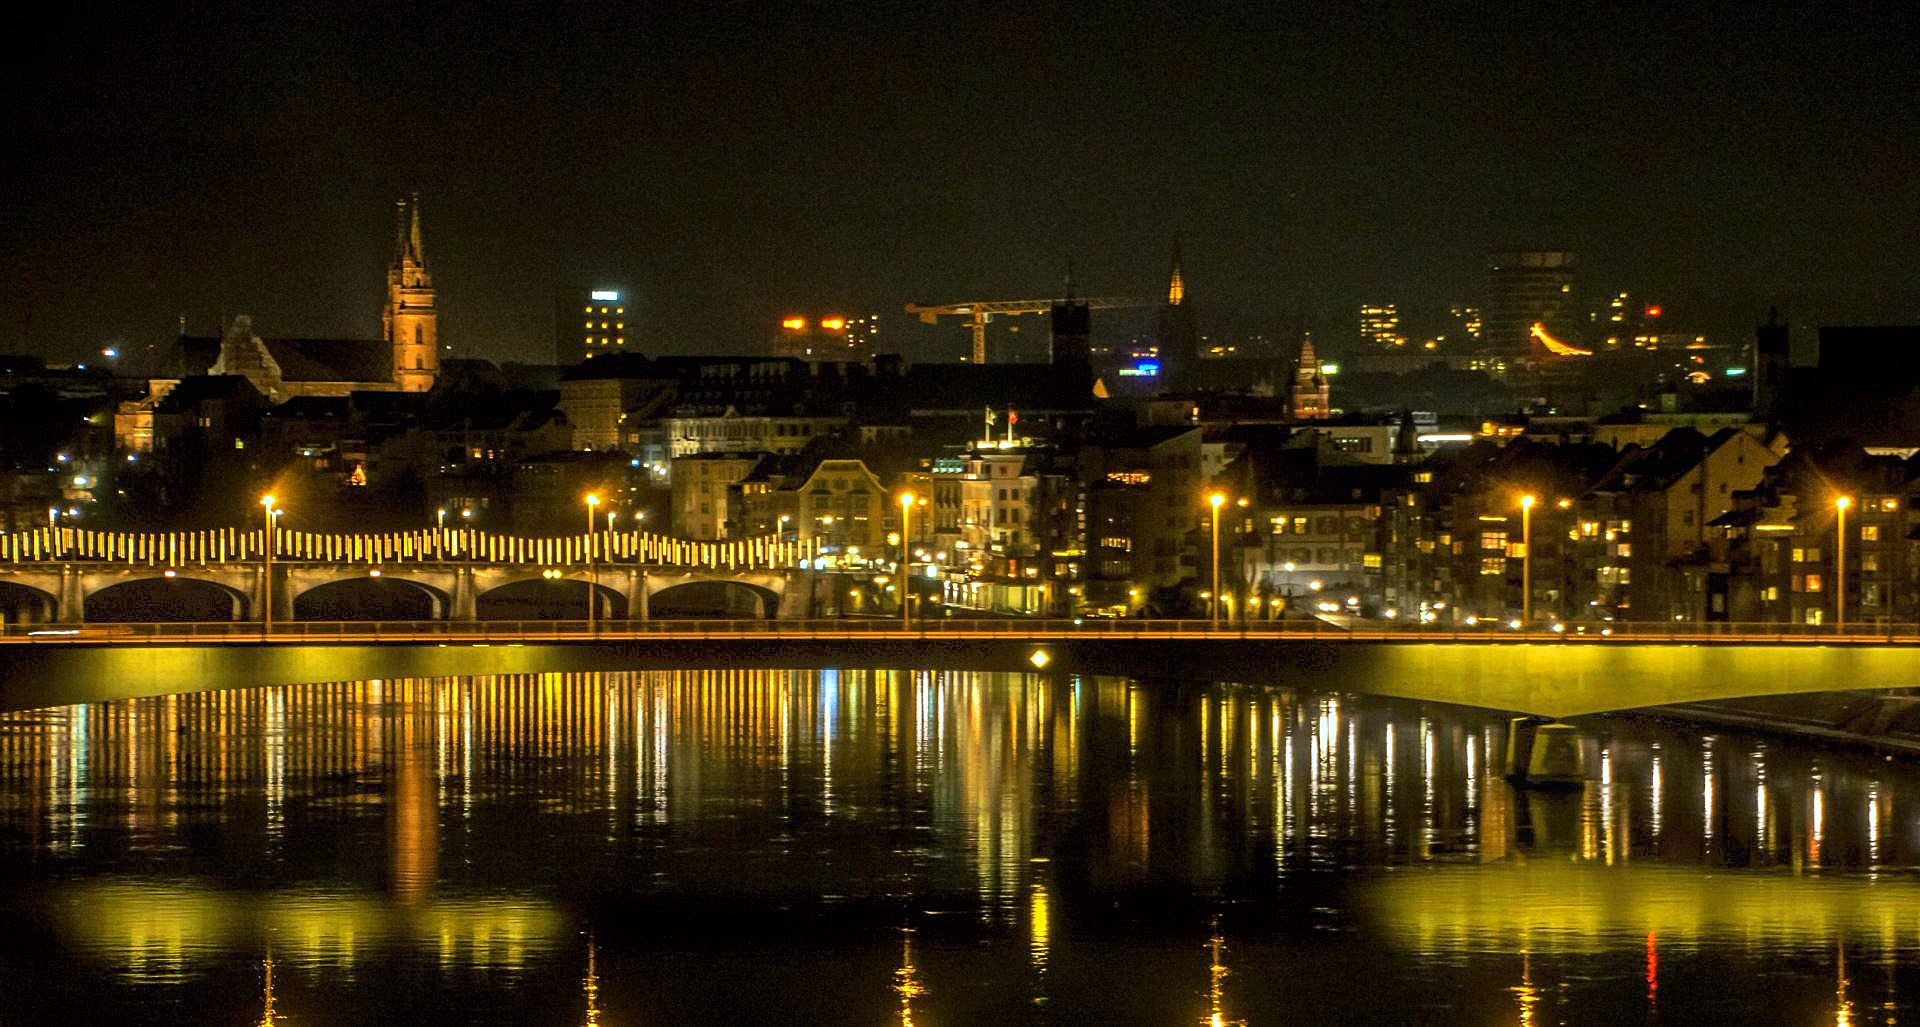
(933, 848)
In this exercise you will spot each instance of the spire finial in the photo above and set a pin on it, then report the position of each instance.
(1069, 276)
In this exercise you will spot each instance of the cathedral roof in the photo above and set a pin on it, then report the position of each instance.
(300, 360)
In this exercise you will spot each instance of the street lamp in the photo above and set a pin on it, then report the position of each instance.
(266, 565)
(1526, 560)
(1217, 500)
(1840, 564)
(593, 573)
(906, 559)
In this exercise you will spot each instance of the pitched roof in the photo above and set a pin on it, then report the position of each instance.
(300, 360)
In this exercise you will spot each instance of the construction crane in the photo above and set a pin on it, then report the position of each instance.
(980, 312)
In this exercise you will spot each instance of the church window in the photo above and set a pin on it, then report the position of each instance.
(419, 335)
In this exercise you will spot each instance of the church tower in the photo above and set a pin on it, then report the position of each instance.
(1309, 399)
(1179, 338)
(412, 323)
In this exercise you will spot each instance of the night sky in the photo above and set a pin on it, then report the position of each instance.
(735, 162)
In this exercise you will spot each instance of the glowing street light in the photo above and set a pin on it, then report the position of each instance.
(906, 558)
(266, 564)
(1526, 559)
(593, 572)
(1840, 563)
(1216, 500)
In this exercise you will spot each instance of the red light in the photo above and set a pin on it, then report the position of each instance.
(1653, 311)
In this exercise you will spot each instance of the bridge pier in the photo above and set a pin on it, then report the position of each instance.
(465, 605)
(70, 606)
(638, 605)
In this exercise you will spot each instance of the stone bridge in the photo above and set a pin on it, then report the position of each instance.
(70, 576)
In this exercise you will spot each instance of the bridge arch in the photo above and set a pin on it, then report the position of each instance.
(173, 600)
(714, 599)
(25, 604)
(369, 598)
(547, 599)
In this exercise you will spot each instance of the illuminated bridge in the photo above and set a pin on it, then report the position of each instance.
(1554, 675)
(71, 576)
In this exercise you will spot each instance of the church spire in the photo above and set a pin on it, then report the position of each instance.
(399, 236)
(414, 249)
(411, 320)
(1176, 288)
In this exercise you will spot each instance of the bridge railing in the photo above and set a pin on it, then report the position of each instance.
(853, 629)
(175, 549)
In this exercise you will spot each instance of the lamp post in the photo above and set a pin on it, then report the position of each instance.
(266, 564)
(1526, 562)
(1216, 500)
(1840, 563)
(593, 572)
(906, 559)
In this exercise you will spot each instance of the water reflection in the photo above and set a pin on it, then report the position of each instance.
(512, 845)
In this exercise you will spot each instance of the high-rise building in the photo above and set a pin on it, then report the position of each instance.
(588, 322)
(1524, 288)
(1380, 325)
(1466, 318)
(863, 335)
(831, 337)
(411, 321)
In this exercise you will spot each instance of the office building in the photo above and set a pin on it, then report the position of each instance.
(590, 321)
(1522, 289)
(831, 337)
(1380, 325)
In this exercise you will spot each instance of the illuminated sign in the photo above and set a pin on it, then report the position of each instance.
(1329, 368)
(1143, 369)
(608, 295)
(794, 324)
(1735, 372)
(833, 324)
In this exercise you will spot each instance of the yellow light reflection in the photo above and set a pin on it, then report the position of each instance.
(906, 980)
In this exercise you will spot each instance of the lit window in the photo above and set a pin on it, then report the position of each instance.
(1869, 533)
(1493, 565)
(1812, 583)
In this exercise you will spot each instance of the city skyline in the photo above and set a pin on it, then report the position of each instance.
(734, 169)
